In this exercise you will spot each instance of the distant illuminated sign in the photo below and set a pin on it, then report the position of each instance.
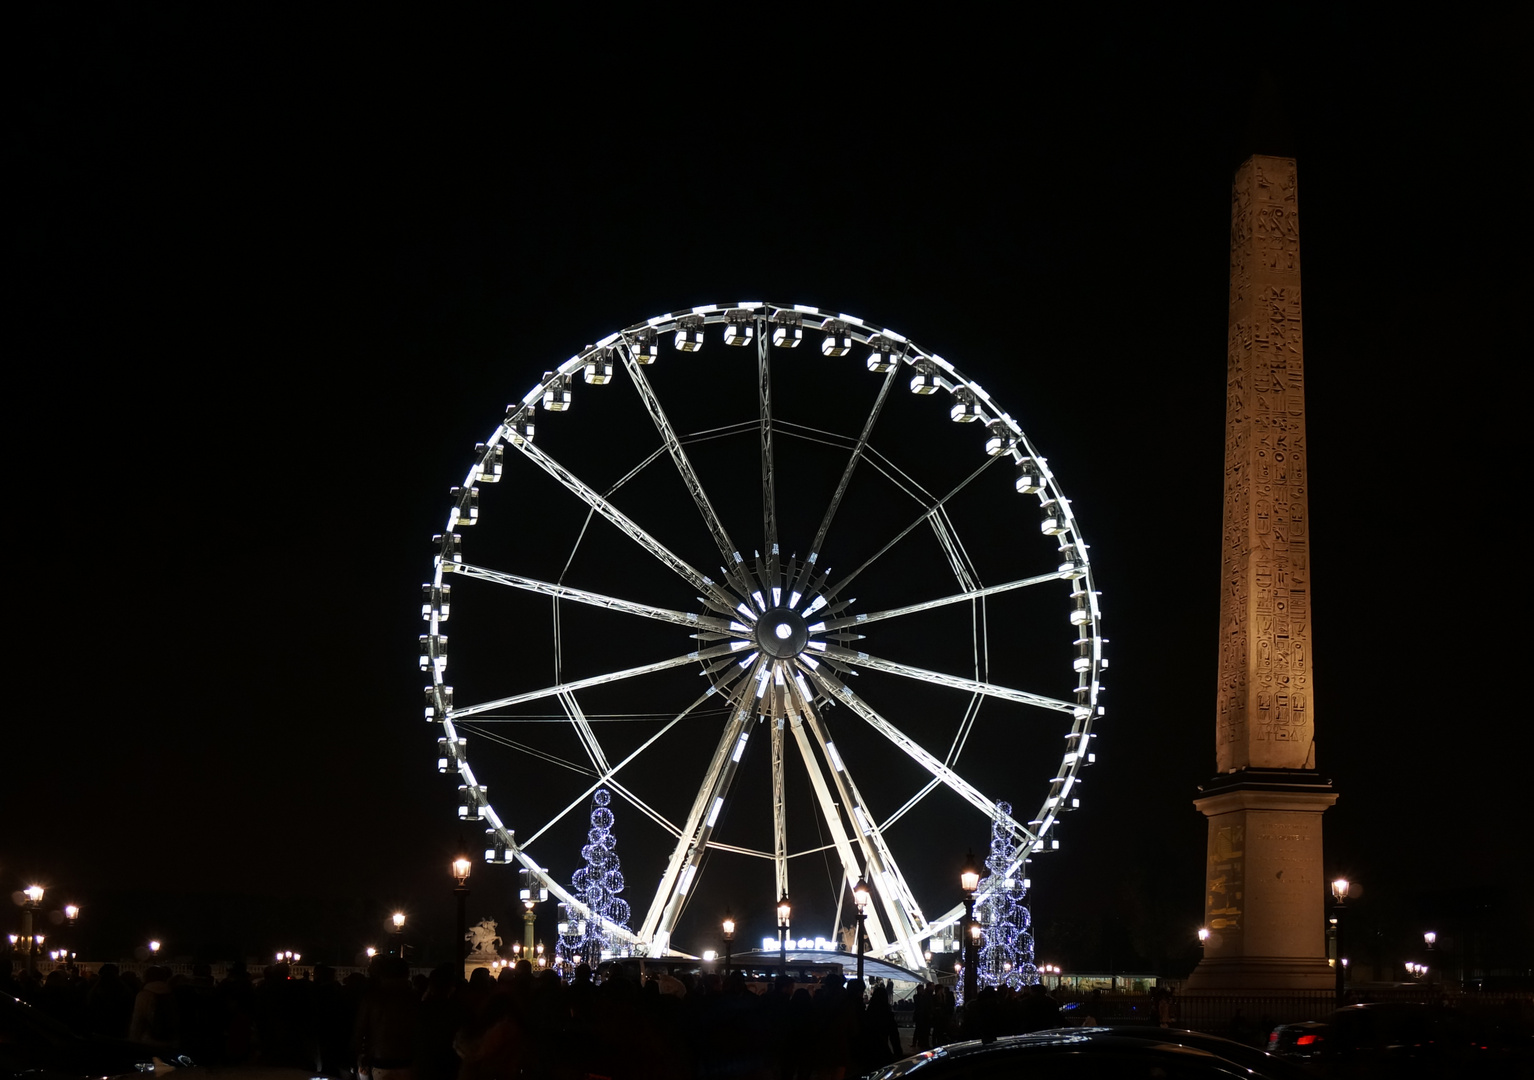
(819, 944)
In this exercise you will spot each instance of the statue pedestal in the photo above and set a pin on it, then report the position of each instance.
(1265, 886)
(480, 960)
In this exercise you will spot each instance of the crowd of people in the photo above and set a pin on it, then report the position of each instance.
(395, 1026)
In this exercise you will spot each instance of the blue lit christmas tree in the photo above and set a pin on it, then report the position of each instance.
(588, 934)
(1006, 942)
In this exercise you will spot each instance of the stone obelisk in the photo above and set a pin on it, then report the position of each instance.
(1265, 883)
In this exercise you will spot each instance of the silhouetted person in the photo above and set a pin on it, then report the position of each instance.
(154, 1021)
(388, 1022)
(442, 1014)
(108, 1004)
(334, 1014)
(1039, 1011)
(202, 1015)
(879, 1039)
(921, 1018)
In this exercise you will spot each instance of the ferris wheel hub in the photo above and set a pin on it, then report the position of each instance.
(781, 633)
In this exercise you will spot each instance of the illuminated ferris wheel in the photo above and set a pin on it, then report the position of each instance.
(657, 598)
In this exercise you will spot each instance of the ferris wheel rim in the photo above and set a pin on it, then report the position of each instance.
(761, 317)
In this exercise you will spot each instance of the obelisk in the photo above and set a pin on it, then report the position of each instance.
(1264, 879)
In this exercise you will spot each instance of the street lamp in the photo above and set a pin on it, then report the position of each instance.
(398, 919)
(860, 897)
(969, 881)
(1203, 936)
(1430, 939)
(727, 931)
(72, 917)
(785, 909)
(34, 900)
(154, 951)
(1340, 889)
(461, 868)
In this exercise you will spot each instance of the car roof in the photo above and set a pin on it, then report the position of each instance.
(1142, 1041)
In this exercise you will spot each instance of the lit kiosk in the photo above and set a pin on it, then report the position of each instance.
(1264, 885)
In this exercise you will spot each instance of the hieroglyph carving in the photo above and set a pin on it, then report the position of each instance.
(1265, 715)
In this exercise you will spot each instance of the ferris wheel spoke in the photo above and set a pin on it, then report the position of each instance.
(806, 730)
(645, 808)
(852, 461)
(779, 802)
(625, 524)
(956, 598)
(584, 684)
(595, 599)
(955, 682)
(660, 920)
(769, 479)
(837, 690)
(607, 777)
(927, 514)
(673, 445)
(829, 813)
(583, 730)
(895, 896)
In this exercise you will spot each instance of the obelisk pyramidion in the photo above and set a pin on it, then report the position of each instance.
(1264, 880)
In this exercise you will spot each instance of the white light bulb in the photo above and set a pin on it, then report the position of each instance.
(784, 631)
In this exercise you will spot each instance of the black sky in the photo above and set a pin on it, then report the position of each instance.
(273, 276)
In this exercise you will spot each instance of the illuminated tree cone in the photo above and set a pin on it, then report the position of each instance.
(1006, 942)
(596, 885)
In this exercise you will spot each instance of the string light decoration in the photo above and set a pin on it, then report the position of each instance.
(586, 935)
(1006, 940)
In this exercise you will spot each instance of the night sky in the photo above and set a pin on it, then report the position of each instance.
(273, 276)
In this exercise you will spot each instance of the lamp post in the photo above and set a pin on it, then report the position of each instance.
(398, 919)
(785, 909)
(461, 868)
(1340, 891)
(860, 897)
(969, 881)
(532, 893)
(727, 931)
(34, 900)
(72, 917)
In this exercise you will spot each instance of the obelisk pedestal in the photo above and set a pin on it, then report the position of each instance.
(1264, 877)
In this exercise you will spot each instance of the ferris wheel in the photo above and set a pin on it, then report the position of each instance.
(656, 599)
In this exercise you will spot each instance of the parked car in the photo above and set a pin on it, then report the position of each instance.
(35, 1046)
(1387, 1038)
(1238, 1052)
(1094, 1053)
